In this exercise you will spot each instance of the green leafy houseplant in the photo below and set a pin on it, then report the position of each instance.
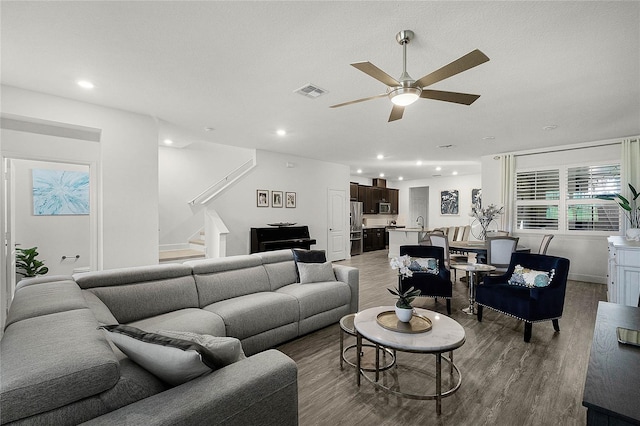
(405, 298)
(631, 208)
(26, 263)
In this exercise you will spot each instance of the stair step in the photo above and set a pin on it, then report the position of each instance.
(177, 255)
(197, 242)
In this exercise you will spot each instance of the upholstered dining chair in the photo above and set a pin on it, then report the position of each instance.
(499, 251)
(544, 245)
(438, 239)
(529, 304)
(497, 234)
(435, 283)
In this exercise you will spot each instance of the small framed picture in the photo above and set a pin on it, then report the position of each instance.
(262, 198)
(290, 200)
(276, 198)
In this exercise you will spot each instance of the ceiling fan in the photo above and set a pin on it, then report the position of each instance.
(406, 90)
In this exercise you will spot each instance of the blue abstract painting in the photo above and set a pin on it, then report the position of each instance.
(60, 192)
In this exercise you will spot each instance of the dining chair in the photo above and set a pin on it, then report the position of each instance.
(438, 239)
(497, 234)
(430, 284)
(545, 243)
(453, 230)
(499, 250)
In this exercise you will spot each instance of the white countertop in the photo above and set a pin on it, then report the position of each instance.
(406, 230)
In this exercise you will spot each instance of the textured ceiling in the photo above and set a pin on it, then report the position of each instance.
(234, 66)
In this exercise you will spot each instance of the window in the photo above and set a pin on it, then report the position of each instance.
(585, 212)
(566, 199)
(537, 199)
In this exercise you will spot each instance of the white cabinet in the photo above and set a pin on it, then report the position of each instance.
(623, 281)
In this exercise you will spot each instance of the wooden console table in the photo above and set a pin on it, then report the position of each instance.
(613, 376)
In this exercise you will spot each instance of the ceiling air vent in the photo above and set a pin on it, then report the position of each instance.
(311, 91)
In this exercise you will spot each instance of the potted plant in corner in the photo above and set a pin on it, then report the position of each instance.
(404, 310)
(26, 263)
(631, 209)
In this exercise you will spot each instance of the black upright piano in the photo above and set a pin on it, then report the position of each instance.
(283, 237)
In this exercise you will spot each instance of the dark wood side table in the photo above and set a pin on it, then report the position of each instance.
(612, 388)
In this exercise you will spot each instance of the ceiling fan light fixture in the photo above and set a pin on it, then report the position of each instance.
(404, 96)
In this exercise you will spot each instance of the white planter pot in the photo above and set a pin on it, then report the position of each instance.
(404, 314)
(633, 234)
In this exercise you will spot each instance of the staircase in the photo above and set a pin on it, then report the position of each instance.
(196, 250)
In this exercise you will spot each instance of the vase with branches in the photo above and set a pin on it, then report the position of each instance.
(631, 211)
(485, 216)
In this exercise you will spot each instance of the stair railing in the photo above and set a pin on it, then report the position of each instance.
(215, 189)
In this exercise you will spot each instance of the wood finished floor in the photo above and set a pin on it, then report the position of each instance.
(505, 381)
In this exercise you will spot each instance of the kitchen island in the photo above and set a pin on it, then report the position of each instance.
(404, 237)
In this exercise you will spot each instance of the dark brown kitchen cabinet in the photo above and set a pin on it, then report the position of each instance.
(373, 239)
(353, 191)
(393, 199)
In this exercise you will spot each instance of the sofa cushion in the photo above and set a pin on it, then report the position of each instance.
(280, 267)
(132, 302)
(255, 313)
(307, 256)
(175, 357)
(315, 272)
(228, 278)
(25, 282)
(132, 275)
(195, 320)
(45, 298)
(318, 297)
(99, 309)
(53, 360)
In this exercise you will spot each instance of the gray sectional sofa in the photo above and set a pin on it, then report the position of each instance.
(58, 368)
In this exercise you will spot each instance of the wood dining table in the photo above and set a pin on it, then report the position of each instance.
(479, 248)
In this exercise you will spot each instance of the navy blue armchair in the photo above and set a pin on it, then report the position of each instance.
(527, 304)
(430, 285)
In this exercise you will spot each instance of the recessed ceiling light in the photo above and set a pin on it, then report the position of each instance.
(438, 168)
(359, 170)
(550, 127)
(281, 132)
(380, 157)
(418, 163)
(381, 174)
(454, 173)
(400, 178)
(488, 138)
(209, 129)
(85, 84)
(168, 142)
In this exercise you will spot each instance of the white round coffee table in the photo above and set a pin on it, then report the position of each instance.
(445, 336)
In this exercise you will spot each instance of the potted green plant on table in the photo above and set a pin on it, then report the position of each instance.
(404, 310)
(26, 263)
(631, 211)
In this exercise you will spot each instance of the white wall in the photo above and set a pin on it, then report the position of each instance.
(464, 184)
(309, 179)
(128, 168)
(55, 236)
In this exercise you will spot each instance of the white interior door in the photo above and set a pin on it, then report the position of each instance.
(338, 225)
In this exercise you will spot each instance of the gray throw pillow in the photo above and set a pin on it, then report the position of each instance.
(174, 360)
(316, 272)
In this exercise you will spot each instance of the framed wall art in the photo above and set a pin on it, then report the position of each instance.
(60, 192)
(449, 202)
(276, 198)
(476, 198)
(262, 198)
(290, 200)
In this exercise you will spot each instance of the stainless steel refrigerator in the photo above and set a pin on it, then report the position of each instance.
(356, 228)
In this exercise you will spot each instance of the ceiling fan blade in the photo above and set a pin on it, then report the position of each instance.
(464, 63)
(375, 72)
(396, 113)
(458, 98)
(358, 100)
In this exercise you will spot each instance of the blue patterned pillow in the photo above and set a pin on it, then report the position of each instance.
(424, 264)
(530, 277)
